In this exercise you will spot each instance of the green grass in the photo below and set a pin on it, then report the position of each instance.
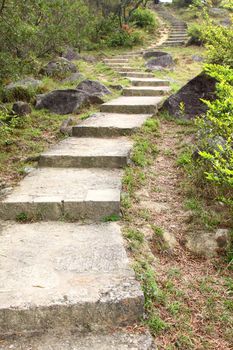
(111, 218)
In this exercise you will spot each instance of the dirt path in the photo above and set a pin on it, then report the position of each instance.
(193, 306)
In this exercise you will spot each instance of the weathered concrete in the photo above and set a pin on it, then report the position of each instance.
(50, 194)
(125, 69)
(146, 91)
(137, 74)
(65, 276)
(110, 124)
(88, 152)
(60, 341)
(132, 105)
(116, 60)
(148, 82)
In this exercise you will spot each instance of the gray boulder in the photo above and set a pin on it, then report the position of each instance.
(71, 54)
(65, 101)
(201, 87)
(158, 58)
(73, 78)
(21, 108)
(21, 90)
(215, 11)
(59, 67)
(93, 88)
(226, 22)
(27, 83)
(208, 244)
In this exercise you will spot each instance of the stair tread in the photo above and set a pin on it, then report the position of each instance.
(113, 341)
(64, 267)
(91, 147)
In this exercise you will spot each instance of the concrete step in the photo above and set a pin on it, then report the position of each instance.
(60, 341)
(176, 32)
(121, 64)
(125, 69)
(146, 91)
(124, 104)
(137, 74)
(53, 193)
(88, 153)
(57, 276)
(149, 82)
(116, 60)
(110, 125)
(130, 56)
(174, 43)
(178, 36)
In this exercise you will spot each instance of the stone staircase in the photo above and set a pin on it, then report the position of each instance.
(66, 281)
(177, 28)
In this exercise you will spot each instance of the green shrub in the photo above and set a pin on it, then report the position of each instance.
(125, 38)
(195, 34)
(144, 18)
(227, 4)
(216, 131)
(219, 43)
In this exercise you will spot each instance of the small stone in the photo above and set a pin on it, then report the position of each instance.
(21, 108)
(222, 237)
(170, 240)
(116, 87)
(197, 58)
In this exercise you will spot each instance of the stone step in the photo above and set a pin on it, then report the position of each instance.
(57, 276)
(53, 193)
(116, 60)
(146, 91)
(176, 32)
(60, 341)
(124, 104)
(131, 57)
(178, 36)
(125, 69)
(120, 64)
(149, 82)
(88, 153)
(174, 43)
(110, 125)
(137, 74)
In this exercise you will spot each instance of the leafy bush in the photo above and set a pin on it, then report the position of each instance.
(144, 18)
(125, 38)
(216, 131)
(195, 34)
(227, 4)
(219, 41)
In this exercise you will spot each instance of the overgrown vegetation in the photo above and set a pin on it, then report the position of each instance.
(33, 30)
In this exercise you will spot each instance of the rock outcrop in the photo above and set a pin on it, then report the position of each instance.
(60, 67)
(189, 97)
(65, 101)
(93, 88)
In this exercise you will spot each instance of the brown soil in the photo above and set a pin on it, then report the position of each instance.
(197, 298)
